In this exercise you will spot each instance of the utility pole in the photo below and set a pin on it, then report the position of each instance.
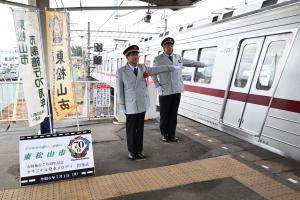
(89, 52)
(82, 56)
(165, 27)
(166, 22)
(116, 11)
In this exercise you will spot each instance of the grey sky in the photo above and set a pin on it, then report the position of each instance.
(129, 20)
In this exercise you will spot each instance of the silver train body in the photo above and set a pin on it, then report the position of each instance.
(250, 87)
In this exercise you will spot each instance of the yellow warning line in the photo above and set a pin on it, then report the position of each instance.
(116, 185)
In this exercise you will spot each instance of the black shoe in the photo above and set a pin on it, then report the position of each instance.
(141, 156)
(163, 139)
(174, 139)
(131, 156)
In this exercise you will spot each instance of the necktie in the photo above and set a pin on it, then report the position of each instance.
(171, 58)
(135, 70)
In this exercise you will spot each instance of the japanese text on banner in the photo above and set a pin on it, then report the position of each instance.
(59, 66)
(31, 63)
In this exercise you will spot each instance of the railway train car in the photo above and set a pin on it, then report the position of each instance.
(250, 86)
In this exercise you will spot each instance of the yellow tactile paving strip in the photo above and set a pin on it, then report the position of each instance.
(116, 185)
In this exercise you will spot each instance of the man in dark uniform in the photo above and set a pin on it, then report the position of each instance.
(133, 98)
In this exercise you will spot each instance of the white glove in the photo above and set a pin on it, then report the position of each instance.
(160, 90)
(178, 66)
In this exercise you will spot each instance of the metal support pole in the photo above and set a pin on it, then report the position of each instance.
(47, 125)
(89, 54)
(71, 68)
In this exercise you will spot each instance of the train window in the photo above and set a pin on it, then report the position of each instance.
(189, 26)
(107, 66)
(245, 65)
(119, 63)
(147, 61)
(188, 71)
(113, 65)
(271, 61)
(104, 66)
(123, 61)
(207, 56)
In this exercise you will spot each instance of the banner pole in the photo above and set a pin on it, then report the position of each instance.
(50, 113)
(16, 99)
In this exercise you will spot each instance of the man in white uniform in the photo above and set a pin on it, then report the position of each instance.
(169, 86)
(134, 98)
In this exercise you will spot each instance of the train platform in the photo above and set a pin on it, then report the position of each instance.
(204, 164)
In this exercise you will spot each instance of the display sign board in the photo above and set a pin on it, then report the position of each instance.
(45, 158)
(101, 95)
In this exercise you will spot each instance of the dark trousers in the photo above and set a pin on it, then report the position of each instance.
(135, 132)
(168, 114)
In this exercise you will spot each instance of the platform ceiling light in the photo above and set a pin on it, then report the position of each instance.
(147, 18)
(231, 9)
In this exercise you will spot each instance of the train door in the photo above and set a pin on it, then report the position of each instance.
(247, 61)
(259, 66)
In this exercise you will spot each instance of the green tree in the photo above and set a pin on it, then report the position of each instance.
(76, 51)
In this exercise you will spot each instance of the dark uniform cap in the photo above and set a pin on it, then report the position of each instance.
(130, 49)
(167, 40)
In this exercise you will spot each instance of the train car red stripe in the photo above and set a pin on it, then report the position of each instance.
(282, 104)
(285, 104)
(258, 99)
(204, 90)
(238, 96)
(251, 98)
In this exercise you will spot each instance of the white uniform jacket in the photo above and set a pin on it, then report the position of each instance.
(132, 90)
(172, 82)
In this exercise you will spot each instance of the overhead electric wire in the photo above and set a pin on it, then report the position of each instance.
(56, 4)
(62, 3)
(110, 16)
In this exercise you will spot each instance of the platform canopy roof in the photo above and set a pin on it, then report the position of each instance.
(171, 3)
(153, 4)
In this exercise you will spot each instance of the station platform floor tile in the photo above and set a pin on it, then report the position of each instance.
(223, 171)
